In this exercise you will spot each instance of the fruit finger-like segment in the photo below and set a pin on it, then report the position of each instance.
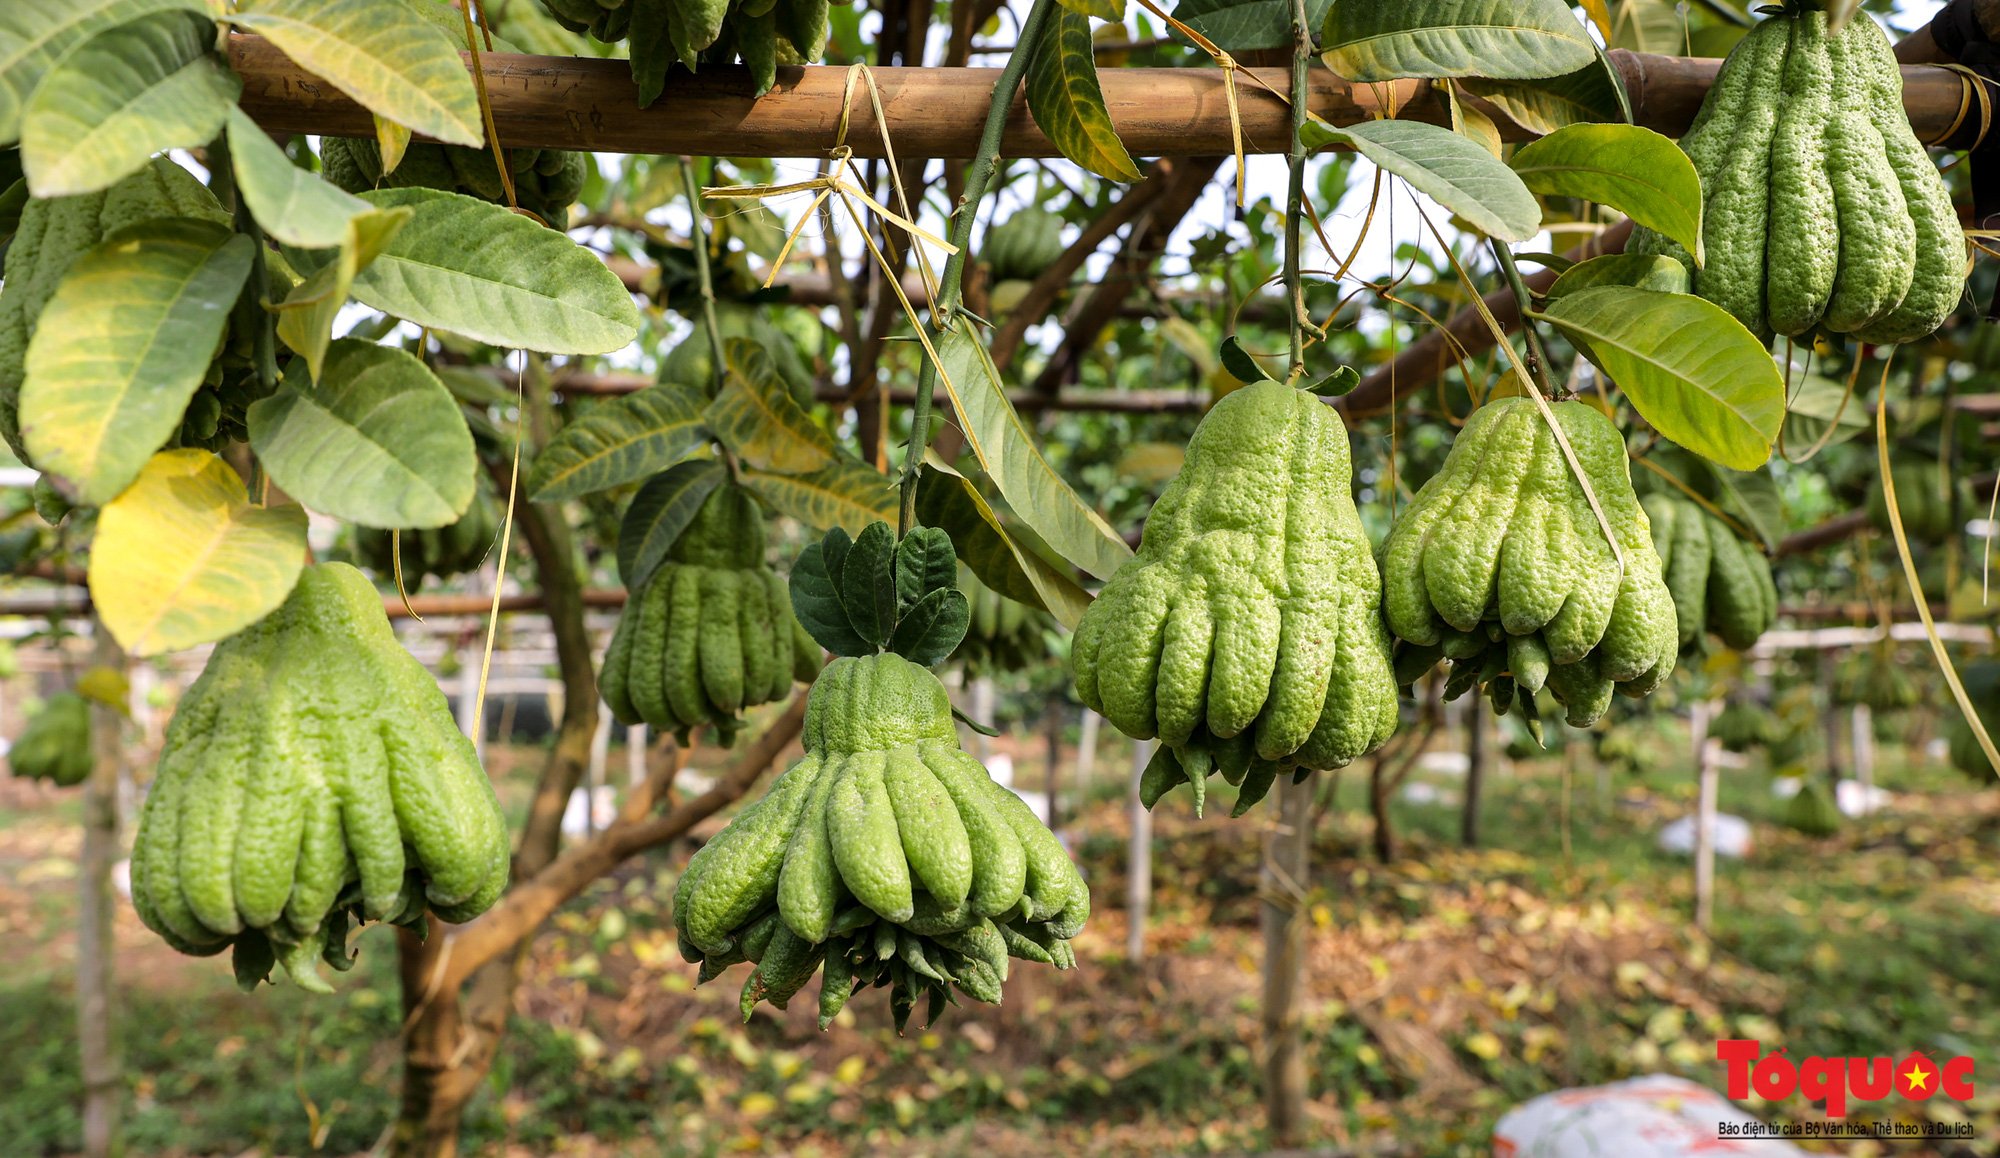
(935, 842)
(1326, 554)
(1528, 659)
(1163, 773)
(1245, 654)
(681, 663)
(1938, 277)
(435, 810)
(210, 814)
(792, 649)
(1576, 628)
(1533, 580)
(1309, 653)
(1687, 571)
(1257, 781)
(1360, 710)
(1463, 553)
(1021, 945)
(809, 889)
(1581, 690)
(1128, 653)
(1406, 597)
(1735, 596)
(836, 985)
(612, 680)
(1053, 885)
(268, 834)
(368, 818)
(804, 23)
(1804, 243)
(156, 853)
(1877, 235)
(324, 863)
(999, 863)
(759, 640)
(911, 952)
(720, 639)
(983, 944)
(647, 683)
(1737, 191)
(736, 874)
(300, 961)
(867, 848)
(1181, 691)
(807, 657)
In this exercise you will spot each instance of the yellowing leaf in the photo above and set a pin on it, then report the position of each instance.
(124, 344)
(844, 494)
(1068, 103)
(118, 98)
(386, 56)
(293, 206)
(182, 558)
(306, 316)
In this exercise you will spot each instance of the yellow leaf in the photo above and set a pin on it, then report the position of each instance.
(1484, 1046)
(1600, 15)
(108, 686)
(183, 558)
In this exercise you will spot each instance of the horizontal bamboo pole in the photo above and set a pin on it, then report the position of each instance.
(590, 104)
(76, 602)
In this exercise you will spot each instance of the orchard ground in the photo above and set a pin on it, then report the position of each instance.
(1446, 987)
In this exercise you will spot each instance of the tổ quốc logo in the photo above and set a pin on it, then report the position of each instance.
(1837, 1081)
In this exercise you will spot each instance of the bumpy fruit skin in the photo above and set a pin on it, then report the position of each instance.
(546, 181)
(1813, 811)
(55, 746)
(886, 855)
(53, 233)
(1002, 636)
(313, 776)
(711, 632)
(1822, 209)
(1248, 629)
(1719, 583)
(1742, 726)
(439, 551)
(1500, 562)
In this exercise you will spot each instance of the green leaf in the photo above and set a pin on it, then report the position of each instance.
(925, 562)
(377, 441)
(293, 206)
(816, 602)
(1371, 40)
(124, 344)
(1640, 270)
(474, 269)
(182, 558)
(1009, 454)
(868, 583)
(1543, 106)
(307, 315)
(756, 417)
(1690, 369)
(1633, 170)
(620, 440)
(121, 96)
(1112, 10)
(933, 628)
(1448, 168)
(658, 514)
(1067, 102)
(1246, 25)
(391, 60)
(843, 494)
(34, 34)
(1240, 364)
(1338, 384)
(949, 500)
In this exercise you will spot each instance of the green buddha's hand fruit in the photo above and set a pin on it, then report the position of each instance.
(312, 777)
(887, 856)
(440, 551)
(1719, 582)
(55, 746)
(1501, 564)
(711, 632)
(1248, 627)
(1822, 209)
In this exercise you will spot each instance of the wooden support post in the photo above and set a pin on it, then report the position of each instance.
(1138, 858)
(1861, 742)
(1707, 777)
(1287, 853)
(96, 946)
(1479, 755)
(635, 755)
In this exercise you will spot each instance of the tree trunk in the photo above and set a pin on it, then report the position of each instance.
(96, 1013)
(1478, 754)
(452, 1037)
(1378, 807)
(1287, 852)
(1138, 857)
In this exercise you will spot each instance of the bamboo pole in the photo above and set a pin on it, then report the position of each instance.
(590, 104)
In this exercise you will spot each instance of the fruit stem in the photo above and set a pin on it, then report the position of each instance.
(698, 241)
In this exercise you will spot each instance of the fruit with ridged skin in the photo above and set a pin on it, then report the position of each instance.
(55, 746)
